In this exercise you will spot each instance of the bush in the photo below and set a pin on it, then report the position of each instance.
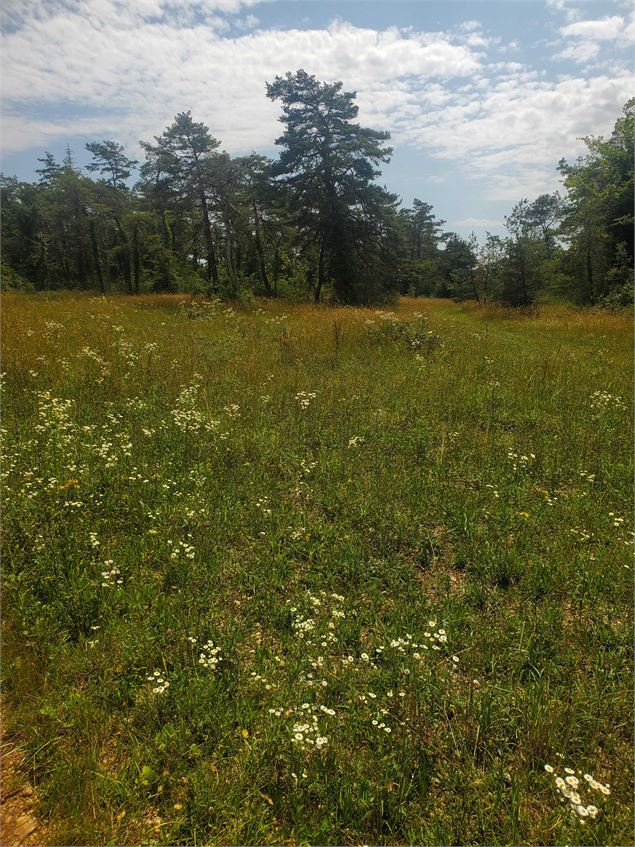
(619, 280)
(12, 279)
(414, 335)
(618, 298)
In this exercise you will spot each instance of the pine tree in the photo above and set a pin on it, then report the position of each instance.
(111, 161)
(329, 164)
(185, 154)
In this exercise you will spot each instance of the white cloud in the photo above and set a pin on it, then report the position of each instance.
(511, 135)
(469, 26)
(628, 34)
(248, 22)
(126, 68)
(471, 33)
(581, 51)
(599, 30)
(120, 13)
(510, 47)
(20, 133)
(563, 6)
(139, 76)
(587, 37)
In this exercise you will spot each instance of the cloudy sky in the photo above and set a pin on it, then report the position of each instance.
(482, 97)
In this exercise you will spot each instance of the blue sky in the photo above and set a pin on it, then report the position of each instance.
(482, 97)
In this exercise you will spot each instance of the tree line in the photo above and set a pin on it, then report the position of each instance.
(314, 223)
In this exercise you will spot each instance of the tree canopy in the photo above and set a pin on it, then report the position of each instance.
(315, 222)
(328, 165)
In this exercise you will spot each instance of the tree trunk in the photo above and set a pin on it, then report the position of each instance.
(260, 251)
(523, 276)
(231, 273)
(41, 269)
(320, 282)
(474, 288)
(212, 269)
(97, 260)
(276, 269)
(136, 264)
(63, 252)
(589, 268)
(126, 255)
(548, 248)
(80, 253)
(81, 262)
(173, 239)
(165, 231)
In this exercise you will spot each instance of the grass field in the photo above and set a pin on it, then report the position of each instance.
(292, 575)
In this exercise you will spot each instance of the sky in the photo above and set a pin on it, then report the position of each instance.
(482, 97)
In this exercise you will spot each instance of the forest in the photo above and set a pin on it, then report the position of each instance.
(313, 224)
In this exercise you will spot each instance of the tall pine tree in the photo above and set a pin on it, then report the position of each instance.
(329, 163)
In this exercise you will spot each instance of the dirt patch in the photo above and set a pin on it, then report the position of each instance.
(439, 573)
(18, 824)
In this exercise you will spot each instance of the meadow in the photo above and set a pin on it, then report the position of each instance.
(288, 574)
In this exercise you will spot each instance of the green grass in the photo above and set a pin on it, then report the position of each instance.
(453, 471)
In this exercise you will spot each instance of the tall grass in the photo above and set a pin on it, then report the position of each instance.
(285, 574)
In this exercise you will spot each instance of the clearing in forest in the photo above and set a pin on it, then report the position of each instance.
(288, 574)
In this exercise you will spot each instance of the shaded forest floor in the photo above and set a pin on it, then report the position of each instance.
(295, 575)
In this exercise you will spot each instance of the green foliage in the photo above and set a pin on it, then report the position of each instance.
(328, 165)
(11, 279)
(181, 164)
(417, 277)
(620, 281)
(598, 213)
(313, 225)
(458, 266)
(109, 159)
(422, 230)
(414, 335)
